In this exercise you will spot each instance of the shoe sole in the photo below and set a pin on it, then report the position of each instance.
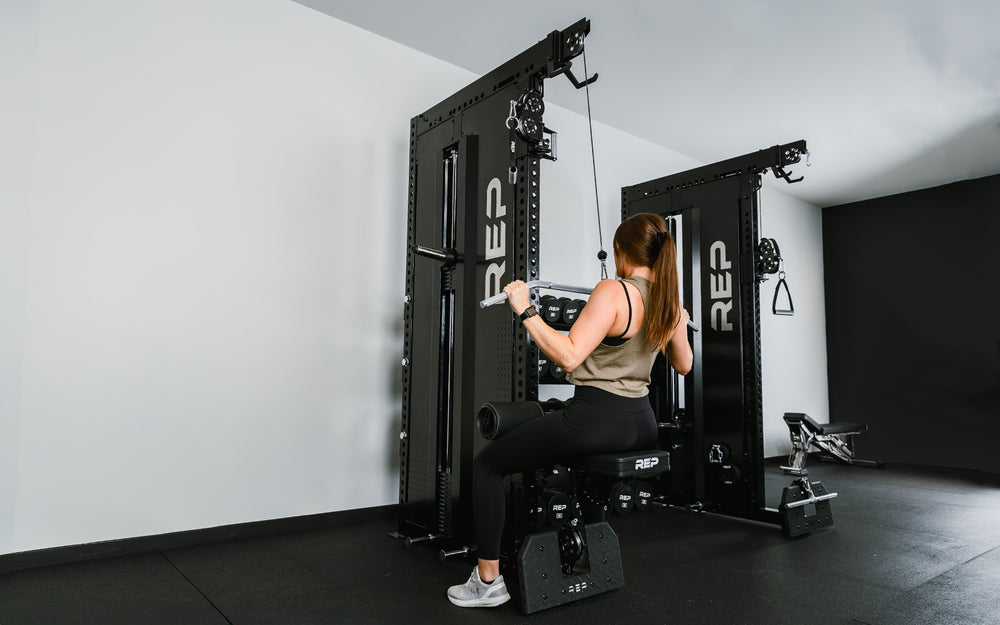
(479, 603)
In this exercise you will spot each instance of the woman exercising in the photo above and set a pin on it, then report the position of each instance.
(608, 356)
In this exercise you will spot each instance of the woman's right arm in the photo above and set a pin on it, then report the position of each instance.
(678, 348)
(589, 329)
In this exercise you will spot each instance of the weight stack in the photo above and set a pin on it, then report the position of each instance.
(539, 569)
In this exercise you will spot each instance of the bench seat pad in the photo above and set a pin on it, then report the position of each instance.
(622, 465)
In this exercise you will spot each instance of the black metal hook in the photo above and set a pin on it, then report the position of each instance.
(780, 172)
(566, 69)
(577, 83)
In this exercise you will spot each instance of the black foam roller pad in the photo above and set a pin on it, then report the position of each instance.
(499, 417)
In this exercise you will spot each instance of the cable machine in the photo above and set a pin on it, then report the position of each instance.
(473, 226)
(711, 419)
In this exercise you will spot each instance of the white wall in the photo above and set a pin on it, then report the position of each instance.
(206, 296)
(202, 236)
(793, 349)
(18, 27)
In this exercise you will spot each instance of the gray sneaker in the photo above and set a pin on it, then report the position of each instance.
(477, 594)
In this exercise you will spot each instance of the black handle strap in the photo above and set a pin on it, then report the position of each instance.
(787, 312)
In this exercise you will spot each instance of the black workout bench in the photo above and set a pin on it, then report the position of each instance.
(580, 560)
(579, 557)
(834, 440)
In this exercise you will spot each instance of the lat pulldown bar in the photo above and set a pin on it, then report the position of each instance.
(544, 284)
(535, 284)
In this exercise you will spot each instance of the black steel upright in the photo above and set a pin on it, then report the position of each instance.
(473, 226)
(711, 419)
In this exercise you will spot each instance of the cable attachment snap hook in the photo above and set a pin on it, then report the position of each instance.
(512, 121)
(603, 256)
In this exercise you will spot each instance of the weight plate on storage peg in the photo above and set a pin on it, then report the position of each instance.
(643, 495)
(543, 367)
(551, 309)
(622, 498)
(562, 307)
(540, 512)
(557, 372)
(729, 475)
(557, 507)
(570, 310)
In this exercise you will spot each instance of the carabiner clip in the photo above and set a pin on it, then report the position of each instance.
(512, 121)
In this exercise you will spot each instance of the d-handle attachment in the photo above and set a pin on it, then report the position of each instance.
(790, 310)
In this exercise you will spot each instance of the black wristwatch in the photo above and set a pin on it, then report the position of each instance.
(528, 312)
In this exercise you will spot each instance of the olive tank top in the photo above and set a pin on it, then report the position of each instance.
(622, 369)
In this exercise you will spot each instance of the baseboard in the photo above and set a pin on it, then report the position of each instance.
(190, 538)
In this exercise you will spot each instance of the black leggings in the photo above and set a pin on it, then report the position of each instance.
(593, 422)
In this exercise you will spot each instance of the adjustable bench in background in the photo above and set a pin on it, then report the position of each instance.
(834, 440)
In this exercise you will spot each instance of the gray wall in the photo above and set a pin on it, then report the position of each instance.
(913, 323)
(17, 73)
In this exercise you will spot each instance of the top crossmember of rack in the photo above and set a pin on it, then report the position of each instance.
(775, 158)
(549, 57)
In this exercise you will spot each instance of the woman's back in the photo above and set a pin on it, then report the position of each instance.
(621, 368)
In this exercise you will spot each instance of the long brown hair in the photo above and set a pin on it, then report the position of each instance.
(644, 240)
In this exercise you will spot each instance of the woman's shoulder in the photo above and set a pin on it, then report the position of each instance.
(608, 286)
(607, 292)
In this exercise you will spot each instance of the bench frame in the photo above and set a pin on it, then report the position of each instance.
(835, 440)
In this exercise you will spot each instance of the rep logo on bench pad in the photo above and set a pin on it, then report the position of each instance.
(646, 463)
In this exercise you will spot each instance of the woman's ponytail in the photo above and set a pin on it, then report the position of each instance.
(645, 241)
(663, 308)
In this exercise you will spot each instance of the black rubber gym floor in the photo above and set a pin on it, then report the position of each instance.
(909, 546)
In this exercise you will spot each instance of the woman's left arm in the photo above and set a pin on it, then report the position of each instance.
(590, 328)
(679, 352)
